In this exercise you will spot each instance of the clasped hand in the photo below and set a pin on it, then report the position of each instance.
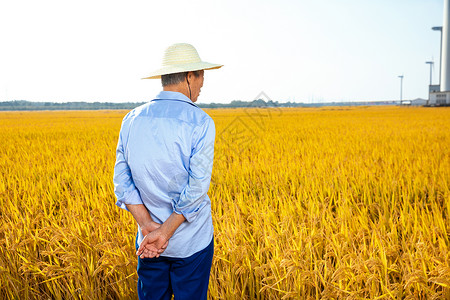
(154, 243)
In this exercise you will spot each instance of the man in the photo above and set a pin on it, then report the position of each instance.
(162, 174)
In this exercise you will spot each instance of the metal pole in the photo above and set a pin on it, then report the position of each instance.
(431, 74)
(431, 70)
(440, 62)
(439, 28)
(401, 89)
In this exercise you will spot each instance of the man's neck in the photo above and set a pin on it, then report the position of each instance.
(177, 88)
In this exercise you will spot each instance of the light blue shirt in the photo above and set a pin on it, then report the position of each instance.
(164, 160)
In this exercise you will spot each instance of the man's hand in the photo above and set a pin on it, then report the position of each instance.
(153, 244)
(149, 227)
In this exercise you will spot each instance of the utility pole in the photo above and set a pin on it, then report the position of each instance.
(431, 70)
(439, 28)
(401, 89)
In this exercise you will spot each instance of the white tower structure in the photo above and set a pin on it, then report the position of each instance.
(441, 96)
(445, 68)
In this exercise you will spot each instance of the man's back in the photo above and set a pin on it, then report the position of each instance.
(168, 145)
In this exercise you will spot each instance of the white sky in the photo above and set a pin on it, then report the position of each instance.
(302, 51)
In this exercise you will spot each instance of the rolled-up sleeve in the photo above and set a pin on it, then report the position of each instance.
(124, 188)
(192, 197)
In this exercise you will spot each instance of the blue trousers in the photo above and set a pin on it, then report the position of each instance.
(185, 278)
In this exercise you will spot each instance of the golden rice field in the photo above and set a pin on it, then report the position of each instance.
(308, 203)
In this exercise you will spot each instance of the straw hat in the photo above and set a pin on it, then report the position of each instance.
(181, 58)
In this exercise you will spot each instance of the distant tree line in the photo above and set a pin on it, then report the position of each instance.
(270, 103)
(28, 105)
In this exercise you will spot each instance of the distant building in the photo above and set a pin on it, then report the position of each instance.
(439, 99)
(418, 102)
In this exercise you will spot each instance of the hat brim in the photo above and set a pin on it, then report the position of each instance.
(183, 68)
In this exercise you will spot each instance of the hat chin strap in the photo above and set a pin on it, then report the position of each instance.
(190, 96)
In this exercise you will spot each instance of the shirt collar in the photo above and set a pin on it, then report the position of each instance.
(168, 95)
